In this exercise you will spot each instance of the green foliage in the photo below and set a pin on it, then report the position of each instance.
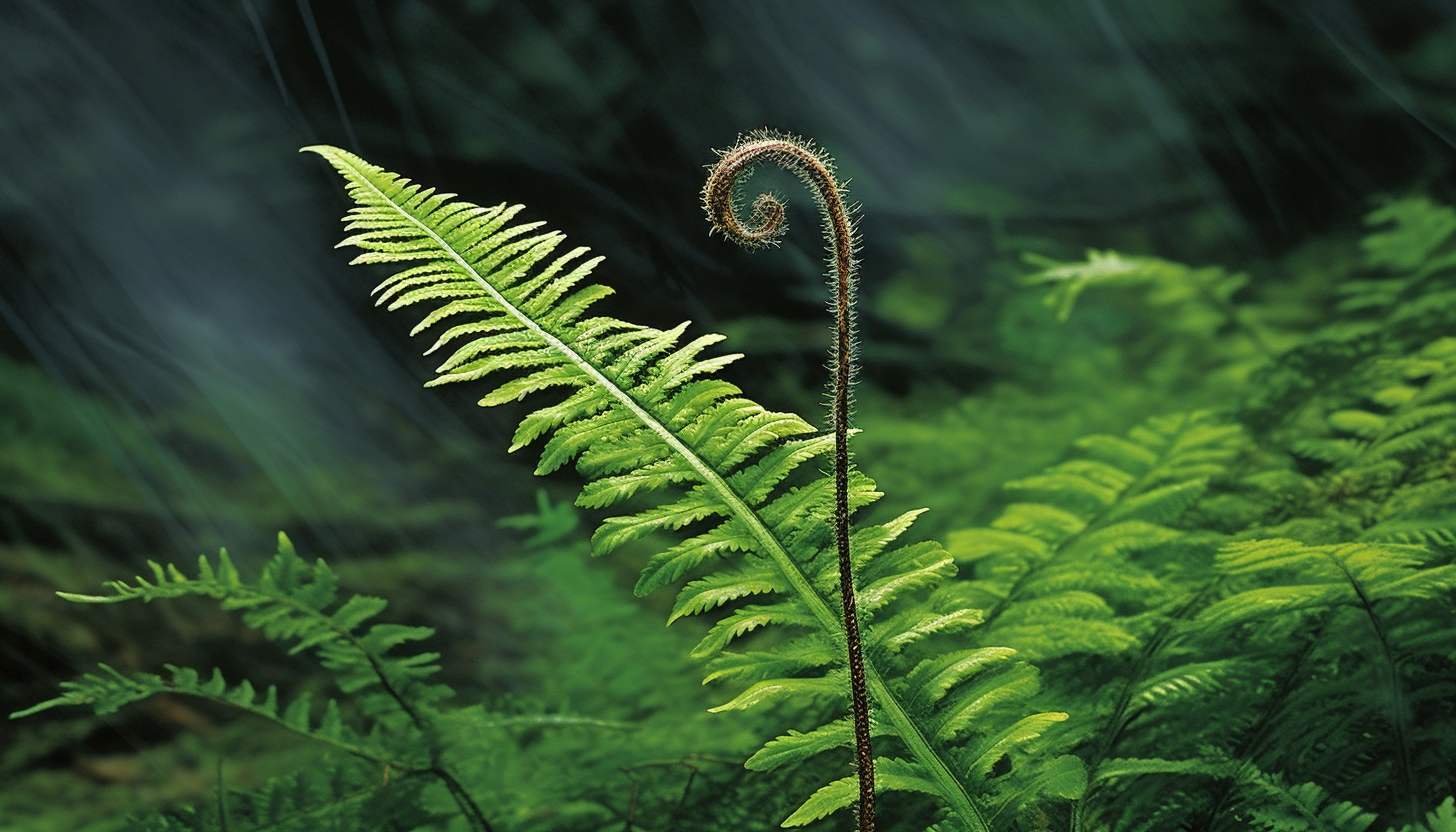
(341, 795)
(392, 718)
(1102, 568)
(1414, 267)
(1440, 819)
(1058, 571)
(1400, 301)
(1152, 331)
(1236, 615)
(1194, 303)
(642, 414)
(1303, 807)
(591, 648)
(1374, 609)
(1359, 574)
(288, 604)
(1407, 413)
(1317, 643)
(1203, 294)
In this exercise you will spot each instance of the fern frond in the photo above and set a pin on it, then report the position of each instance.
(644, 421)
(1051, 561)
(1411, 231)
(1270, 805)
(336, 795)
(891, 775)
(1411, 414)
(1389, 591)
(1413, 264)
(796, 746)
(290, 603)
(1199, 299)
(295, 602)
(1355, 574)
(1101, 268)
(1196, 679)
(112, 690)
(1440, 819)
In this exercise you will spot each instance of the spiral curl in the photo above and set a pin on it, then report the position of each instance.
(766, 227)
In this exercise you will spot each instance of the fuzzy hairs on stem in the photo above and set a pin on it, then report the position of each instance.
(764, 227)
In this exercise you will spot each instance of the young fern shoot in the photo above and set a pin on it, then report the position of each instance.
(644, 419)
(765, 227)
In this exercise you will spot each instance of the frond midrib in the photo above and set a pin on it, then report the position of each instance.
(951, 787)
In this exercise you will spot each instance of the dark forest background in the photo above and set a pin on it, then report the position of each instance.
(186, 363)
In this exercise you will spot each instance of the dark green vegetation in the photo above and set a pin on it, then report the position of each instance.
(1234, 614)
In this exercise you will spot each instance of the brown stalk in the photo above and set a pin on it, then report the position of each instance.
(765, 227)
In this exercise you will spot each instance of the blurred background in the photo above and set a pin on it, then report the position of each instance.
(186, 363)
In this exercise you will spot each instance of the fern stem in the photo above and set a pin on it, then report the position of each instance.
(766, 225)
(222, 807)
(463, 799)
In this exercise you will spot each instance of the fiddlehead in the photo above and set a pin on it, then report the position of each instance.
(764, 227)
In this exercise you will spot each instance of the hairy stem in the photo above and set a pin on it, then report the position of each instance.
(765, 226)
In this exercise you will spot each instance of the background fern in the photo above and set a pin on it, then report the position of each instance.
(406, 736)
(1061, 562)
(1281, 655)
(337, 796)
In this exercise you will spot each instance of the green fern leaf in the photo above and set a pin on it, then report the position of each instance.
(645, 423)
(890, 775)
(831, 687)
(1189, 680)
(989, 751)
(1064, 778)
(785, 660)
(1413, 229)
(1136, 767)
(104, 694)
(795, 747)
(1049, 571)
